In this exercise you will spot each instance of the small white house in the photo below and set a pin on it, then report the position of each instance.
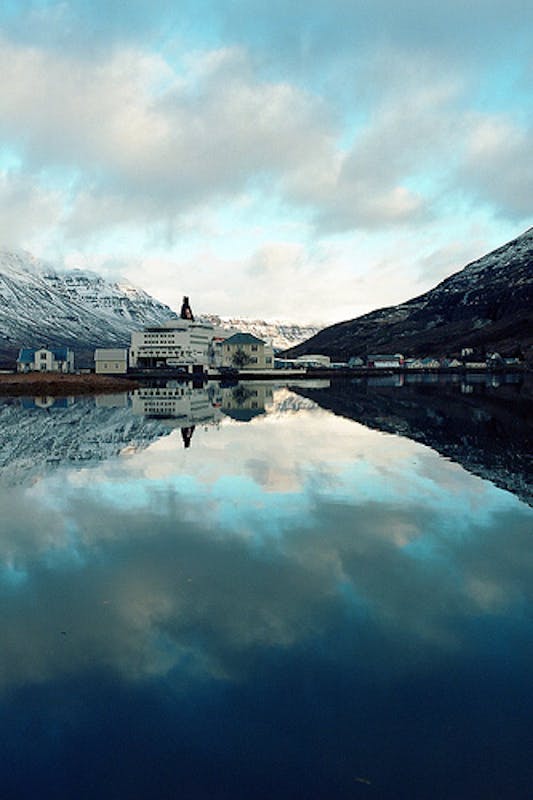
(60, 359)
(111, 361)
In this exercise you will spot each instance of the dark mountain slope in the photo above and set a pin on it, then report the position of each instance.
(488, 305)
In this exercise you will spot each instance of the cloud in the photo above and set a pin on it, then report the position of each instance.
(142, 143)
(497, 164)
(256, 138)
(28, 211)
(362, 528)
(146, 142)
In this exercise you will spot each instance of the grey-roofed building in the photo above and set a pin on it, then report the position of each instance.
(247, 352)
(58, 359)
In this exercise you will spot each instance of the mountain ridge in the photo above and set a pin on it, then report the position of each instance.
(78, 308)
(40, 305)
(488, 303)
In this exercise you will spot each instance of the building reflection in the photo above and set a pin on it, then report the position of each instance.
(245, 401)
(184, 406)
(46, 402)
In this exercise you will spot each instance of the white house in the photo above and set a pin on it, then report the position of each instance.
(111, 361)
(177, 344)
(59, 359)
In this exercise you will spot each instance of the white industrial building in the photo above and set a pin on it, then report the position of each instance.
(195, 346)
(178, 343)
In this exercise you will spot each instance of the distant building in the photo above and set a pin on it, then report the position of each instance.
(315, 360)
(111, 361)
(430, 363)
(59, 359)
(382, 361)
(247, 352)
(286, 363)
(451, 362)
(495, 360)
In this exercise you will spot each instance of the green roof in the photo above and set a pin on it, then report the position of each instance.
(243, 338)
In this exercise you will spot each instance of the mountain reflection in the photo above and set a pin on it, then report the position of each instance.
(485, 424)
(284, 607)
(38, 434)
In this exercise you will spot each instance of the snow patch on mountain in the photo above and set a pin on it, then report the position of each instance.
(280, 335)
(42, 305)
(77, 308)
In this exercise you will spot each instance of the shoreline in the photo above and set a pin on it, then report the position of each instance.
(62, 385)
(59, 385)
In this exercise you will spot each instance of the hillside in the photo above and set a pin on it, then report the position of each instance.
(39, 305)
(488, 304)
(79, 309)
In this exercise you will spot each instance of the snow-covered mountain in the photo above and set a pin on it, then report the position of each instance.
(36, 441)
(40, 305)
(280, 334)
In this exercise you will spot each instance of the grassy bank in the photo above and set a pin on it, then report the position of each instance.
(57, 385)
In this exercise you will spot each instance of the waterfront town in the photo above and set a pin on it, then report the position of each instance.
(197, 348)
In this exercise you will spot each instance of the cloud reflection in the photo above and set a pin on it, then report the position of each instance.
(186, 560)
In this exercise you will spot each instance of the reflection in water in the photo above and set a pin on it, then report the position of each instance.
(489, 431)
(295, 606)
(89, 430)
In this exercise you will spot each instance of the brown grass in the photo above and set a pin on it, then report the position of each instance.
(57, 385)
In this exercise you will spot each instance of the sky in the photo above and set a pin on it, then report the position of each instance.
(306, 161)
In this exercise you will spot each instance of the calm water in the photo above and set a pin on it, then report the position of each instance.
(251, 592)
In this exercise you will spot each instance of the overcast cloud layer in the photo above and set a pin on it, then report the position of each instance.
(308, 162)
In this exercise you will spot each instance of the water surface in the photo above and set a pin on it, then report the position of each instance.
(250, 593)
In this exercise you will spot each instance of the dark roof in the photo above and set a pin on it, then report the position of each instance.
(243, 338)
(27, 354)
(243, 414)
